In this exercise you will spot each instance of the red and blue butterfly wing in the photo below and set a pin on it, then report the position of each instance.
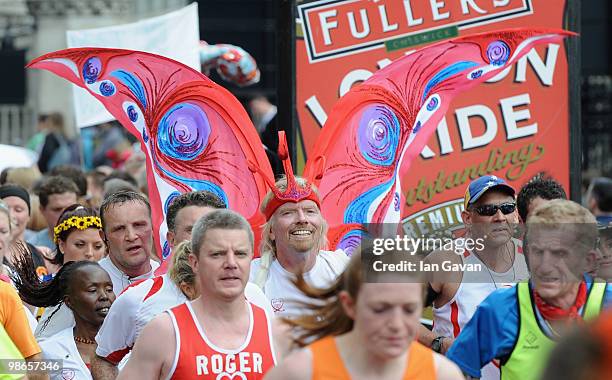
(375, 131)
(195, 134)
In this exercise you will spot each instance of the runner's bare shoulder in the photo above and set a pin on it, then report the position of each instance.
(446, 369)
(438, 260)
(297, 366)
(149, 360)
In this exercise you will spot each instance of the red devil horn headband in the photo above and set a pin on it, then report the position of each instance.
(294, 192)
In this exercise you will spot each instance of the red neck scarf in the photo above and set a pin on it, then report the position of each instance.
(554, 313)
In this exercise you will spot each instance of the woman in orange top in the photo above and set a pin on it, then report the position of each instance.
(364, 329)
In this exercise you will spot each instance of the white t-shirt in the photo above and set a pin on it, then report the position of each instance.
(29, 315)
(138, 305)
(61, 346)
(120, 279)
(62, 319)
(284, 296)
(31, 319)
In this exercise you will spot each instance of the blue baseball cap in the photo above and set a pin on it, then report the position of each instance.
(481, 185)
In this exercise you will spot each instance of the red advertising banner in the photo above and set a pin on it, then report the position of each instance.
(513, 126)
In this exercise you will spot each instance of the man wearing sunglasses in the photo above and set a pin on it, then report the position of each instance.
(490, 216)
(519, 326)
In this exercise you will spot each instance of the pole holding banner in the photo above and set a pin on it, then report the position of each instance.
(286, 84)
(572, 20)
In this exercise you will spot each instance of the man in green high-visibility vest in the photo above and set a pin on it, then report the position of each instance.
(518, 326)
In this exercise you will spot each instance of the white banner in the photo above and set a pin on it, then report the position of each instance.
(174, 35)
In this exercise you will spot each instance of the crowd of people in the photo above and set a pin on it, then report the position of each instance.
(78, 285)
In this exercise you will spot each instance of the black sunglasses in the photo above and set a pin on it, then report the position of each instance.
(490, 210)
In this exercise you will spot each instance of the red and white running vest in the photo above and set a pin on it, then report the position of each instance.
(197, 357)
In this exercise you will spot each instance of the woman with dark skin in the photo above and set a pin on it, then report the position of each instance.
(87, 290)
(77, 237)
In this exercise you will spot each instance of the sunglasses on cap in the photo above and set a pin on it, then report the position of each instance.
(490, 210)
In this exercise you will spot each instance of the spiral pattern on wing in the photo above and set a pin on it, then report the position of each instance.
(350, 242)
(132, 114)
(107, 88)
(183, 132)
(476, 74)
(433, 104)
(378, 135)
(92, 69)
(498, 53)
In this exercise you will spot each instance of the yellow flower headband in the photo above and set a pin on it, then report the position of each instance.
(80, 222)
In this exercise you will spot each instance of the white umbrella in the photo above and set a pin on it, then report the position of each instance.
(12, 156)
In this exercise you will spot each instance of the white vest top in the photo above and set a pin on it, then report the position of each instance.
(284, 296)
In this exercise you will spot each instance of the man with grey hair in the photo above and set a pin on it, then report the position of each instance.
(293, 242)
(219, 333)
(519, 326)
